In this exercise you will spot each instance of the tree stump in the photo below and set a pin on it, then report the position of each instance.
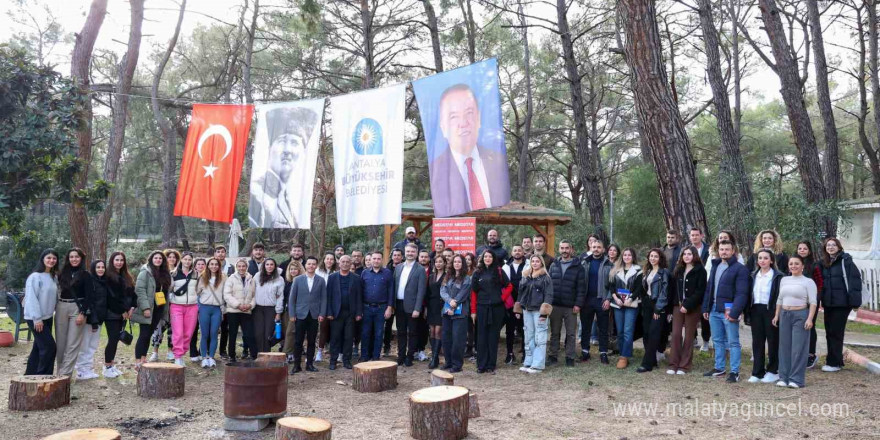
(86, 434)
(440, 378)
(269, 357)
(473, 406)
(35, 393)
(157, 380)
(439, 413)
(374, 377)
(302, 428)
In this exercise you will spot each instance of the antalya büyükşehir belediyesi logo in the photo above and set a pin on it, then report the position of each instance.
(367, 137)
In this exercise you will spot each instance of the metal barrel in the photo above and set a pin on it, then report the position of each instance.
(255, 390)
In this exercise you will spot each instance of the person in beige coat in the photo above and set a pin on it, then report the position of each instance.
(238, 293)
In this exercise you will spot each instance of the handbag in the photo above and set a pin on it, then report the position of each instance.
(160, 299)
(446, 308)
(182, 290)
(125, 336)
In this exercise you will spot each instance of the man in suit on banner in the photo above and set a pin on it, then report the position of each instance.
(466, 176)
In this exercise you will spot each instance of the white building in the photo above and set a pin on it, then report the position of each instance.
(861, 239)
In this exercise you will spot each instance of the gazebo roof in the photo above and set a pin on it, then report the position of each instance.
(513, 213)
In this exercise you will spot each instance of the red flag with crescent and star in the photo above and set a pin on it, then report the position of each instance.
(212, 161)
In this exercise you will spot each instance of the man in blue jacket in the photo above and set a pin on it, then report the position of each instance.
(727, 294)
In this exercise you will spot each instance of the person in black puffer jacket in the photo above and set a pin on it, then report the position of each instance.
(569, 295)
(841, 292)
(97, 292)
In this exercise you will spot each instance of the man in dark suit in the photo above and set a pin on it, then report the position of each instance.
(307, 307)
(410, 284)
(344, 307)
(466, 176)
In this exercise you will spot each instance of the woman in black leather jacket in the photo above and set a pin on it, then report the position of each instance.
(655, 284)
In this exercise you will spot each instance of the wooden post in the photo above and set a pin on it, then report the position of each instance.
(302, 428)
(551, 239)
(386, 251)
(36, 393)
(86, 434)
(157, 380)
(439, 413)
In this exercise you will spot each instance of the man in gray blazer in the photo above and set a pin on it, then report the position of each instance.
(410, 283)
(307, 307)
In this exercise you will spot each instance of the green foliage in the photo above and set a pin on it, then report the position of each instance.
(20, 254)
(638, 217)
(39, 117)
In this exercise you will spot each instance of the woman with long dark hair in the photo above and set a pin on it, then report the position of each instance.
(211, 309)
(98, 292)
(71, 310)
(200, 265)
(121, 301)
(456, 293)
(40, 297)
(812, 269)
(268, 288)
(687, 300)
(434, 314)
(764, 289)
(654, 297)
(841, 292)
(173, 259)
(626, 307)
(152, 285)
(184, 309)
(491, 290)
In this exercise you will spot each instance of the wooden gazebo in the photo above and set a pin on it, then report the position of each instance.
(543, 220)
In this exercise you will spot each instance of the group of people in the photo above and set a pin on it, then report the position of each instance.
(457, 303)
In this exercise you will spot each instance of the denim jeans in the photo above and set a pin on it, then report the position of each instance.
(625, 321)
(209, 321)
(725, 335)
(536, 339)
(372, 331)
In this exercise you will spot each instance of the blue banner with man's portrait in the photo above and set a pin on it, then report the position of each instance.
(467, 157)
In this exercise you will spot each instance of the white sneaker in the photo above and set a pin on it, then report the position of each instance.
(681, 372)
(770, 378)
(319, 356)
(533, 371)
(755, 379)
(116, 370)
(524, 369)
(670, 371)
(793, 385)
(781, 383)
(109, 373)
(705, 347)
(205, 363)
(195, 359)
(661, 356)
(85, 375)
(830, 369)
(212, 363)
(170, 356)
(339, 358)
(153, 357)
(179, 361)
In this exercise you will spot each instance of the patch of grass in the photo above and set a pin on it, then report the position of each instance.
(852, 326)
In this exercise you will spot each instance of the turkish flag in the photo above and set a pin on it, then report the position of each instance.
(212, 161)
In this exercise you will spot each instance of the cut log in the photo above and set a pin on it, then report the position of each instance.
(36, 393)
(473, 406)
(86, 434)
(302, 428)
(374, 377)
(268, 357)
(157, 380)
(439, 413)
(440, 378)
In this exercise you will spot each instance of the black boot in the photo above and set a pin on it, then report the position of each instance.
(435, 354)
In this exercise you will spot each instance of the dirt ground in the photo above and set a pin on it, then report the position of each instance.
(561, 403)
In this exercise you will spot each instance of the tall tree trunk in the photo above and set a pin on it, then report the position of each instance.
(660, 118)
(253, 234)
(522, 142)
(874, 68)
(434, 29)
(81, 60)
(786, 68)
(169, 140)
(367, 32)
(870, 152)
(823, 95)
(740, 204)
(588, 172)
(120, 120)
(733, 10)
(470, 29)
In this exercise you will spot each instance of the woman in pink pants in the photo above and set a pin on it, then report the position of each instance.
(184, 306)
